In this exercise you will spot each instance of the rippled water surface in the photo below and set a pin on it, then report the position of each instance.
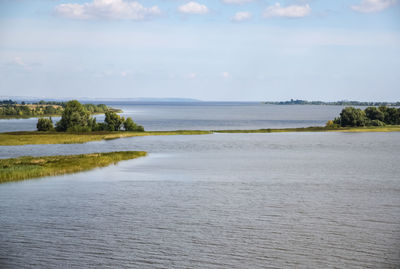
(289, 200)
(207, 116)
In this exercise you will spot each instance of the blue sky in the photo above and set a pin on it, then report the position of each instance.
(247, 50)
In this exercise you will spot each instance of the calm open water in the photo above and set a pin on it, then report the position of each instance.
(207, 116)
(303, 200)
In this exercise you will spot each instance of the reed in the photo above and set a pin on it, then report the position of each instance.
(22, 168)
(34, 138)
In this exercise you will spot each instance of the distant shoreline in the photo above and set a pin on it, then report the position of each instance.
(335, 103)
(41, 138)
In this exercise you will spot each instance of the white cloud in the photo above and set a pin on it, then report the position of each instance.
(368, 6)
(293, 11)
(241, 16)
(193, 8)
(237, 1)
(107, 9)
(225, 75)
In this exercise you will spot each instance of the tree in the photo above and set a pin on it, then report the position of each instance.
(45, 124)
(113, 120)
(392, 115)
(351, 116)
(374, 113)
(75, 118)
(129, 125)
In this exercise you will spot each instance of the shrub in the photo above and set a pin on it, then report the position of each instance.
(331, 124)
(113, 120)
(129, 125)
(45, 124)
(376, 123)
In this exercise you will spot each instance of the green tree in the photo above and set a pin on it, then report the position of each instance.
(75, 118)
(45, 124)
(129, 125)
(392, 115)
(374, 113)
(113, 120)
(351, 116)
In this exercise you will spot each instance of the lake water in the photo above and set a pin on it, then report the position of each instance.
(303, 200)
(207, 116)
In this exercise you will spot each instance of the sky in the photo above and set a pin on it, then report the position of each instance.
(232, 50)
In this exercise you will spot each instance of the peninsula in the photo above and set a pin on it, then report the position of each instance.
(16, 169)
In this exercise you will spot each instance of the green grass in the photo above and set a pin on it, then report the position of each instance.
(32, 138)
(389, 128)
(32, 167)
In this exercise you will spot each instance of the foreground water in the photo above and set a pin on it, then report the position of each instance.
(304, 200)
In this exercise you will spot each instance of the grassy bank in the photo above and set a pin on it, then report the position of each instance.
(35, 138)
(31, 167)
(391, 128)
(32, 138)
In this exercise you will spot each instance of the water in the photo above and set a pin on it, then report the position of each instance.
(207, 116)
(280, 200)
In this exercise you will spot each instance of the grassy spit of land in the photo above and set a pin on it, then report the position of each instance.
(32, 138)
(35, 138)
(387, 128)
(32, 167)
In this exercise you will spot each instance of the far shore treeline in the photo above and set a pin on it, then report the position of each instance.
(335, 103)
(371, 116)
(11, 109)
(77, 118)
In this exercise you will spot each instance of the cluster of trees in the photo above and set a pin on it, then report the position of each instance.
(29, 110)
(9, 108)
(91, 108)
(371, 116)
(7, 102)
(77, 118)
(337, 103)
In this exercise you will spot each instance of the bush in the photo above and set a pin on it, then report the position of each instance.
(45, 125)
(331, 124)
(129, 125)
(376, 123)
(79, 129)
(101, 126)
(113, 120)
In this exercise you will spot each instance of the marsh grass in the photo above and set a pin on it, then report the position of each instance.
(32, 138)
(21, 168)
(388, 128)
